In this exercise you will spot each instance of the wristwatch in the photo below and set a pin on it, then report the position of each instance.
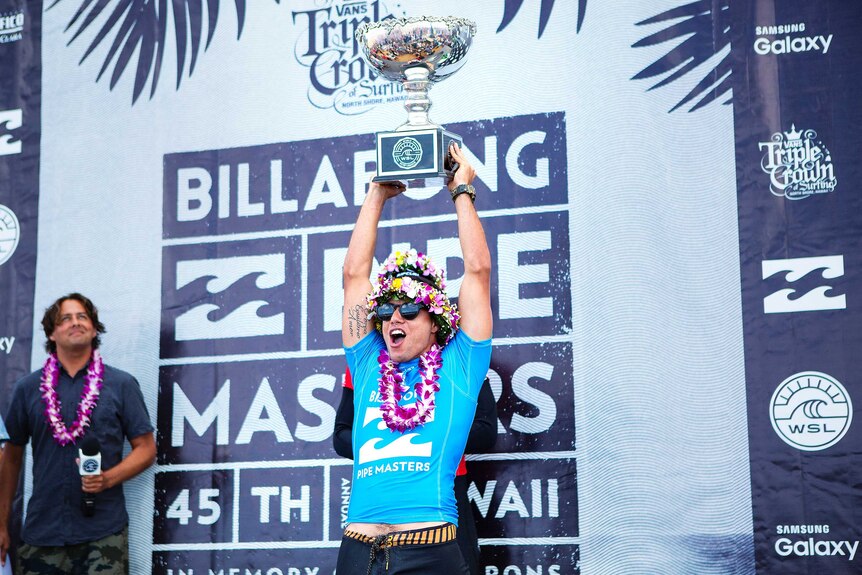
(464, 189)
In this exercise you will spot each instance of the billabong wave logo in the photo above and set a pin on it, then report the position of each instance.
(10, 120)
(407, 153)
(401, 445)
(10, 233)
(11, 26)
(800, 295)
(810, 411)
(799, 165)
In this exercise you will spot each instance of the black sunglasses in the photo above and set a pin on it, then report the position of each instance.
(408, 310)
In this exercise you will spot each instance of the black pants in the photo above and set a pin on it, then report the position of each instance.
(357, 557)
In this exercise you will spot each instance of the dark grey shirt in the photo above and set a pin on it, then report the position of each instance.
(54, 516)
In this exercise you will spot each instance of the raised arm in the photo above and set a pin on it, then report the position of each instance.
(359, 259)
(474, 298)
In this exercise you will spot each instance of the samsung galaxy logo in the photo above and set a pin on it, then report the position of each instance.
(788, 45)
(811, 547)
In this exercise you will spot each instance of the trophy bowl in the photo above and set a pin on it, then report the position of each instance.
(417, 52)
(394, 45)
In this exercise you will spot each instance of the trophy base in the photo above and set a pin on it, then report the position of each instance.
(415, 154)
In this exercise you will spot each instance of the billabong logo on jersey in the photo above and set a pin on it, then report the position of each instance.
(11, 26)
(798, 164)
(338, 75)
(10, 120)
(10, 233)
(796, 298)
(400, 446)
(811, 411)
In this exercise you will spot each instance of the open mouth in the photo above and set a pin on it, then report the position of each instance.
(396, 335)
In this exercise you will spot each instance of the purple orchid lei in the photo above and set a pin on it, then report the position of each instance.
(391, 385)
(89, 398)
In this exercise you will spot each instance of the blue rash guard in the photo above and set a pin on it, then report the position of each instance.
(408, 477)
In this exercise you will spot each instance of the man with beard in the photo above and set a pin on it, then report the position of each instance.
(74, 399)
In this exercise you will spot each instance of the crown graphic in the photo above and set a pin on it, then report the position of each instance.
(793, 134)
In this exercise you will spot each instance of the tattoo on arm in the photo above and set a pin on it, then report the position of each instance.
(357, 322)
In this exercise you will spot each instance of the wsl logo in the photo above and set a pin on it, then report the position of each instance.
(407, 153)
(338, 75)
(811, 411)
(10, 233)
(798, 165)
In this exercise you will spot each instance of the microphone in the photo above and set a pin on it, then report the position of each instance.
(90, 464)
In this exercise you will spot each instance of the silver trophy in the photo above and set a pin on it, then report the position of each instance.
(417, 52)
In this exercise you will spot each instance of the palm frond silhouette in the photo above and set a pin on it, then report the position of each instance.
(141, 27)
(511, 8)
(704, 30)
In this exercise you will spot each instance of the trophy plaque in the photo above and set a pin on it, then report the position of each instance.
(417, 52)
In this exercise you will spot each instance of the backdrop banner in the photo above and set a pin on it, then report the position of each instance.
(798, 151)
(673, 324)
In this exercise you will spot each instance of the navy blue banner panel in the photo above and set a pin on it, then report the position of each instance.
(20, 127)
(797, 113)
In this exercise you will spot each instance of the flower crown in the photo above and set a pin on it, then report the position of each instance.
(413, 276)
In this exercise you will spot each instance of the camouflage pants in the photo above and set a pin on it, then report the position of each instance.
(107, 556)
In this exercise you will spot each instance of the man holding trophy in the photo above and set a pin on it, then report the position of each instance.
(418, 361)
